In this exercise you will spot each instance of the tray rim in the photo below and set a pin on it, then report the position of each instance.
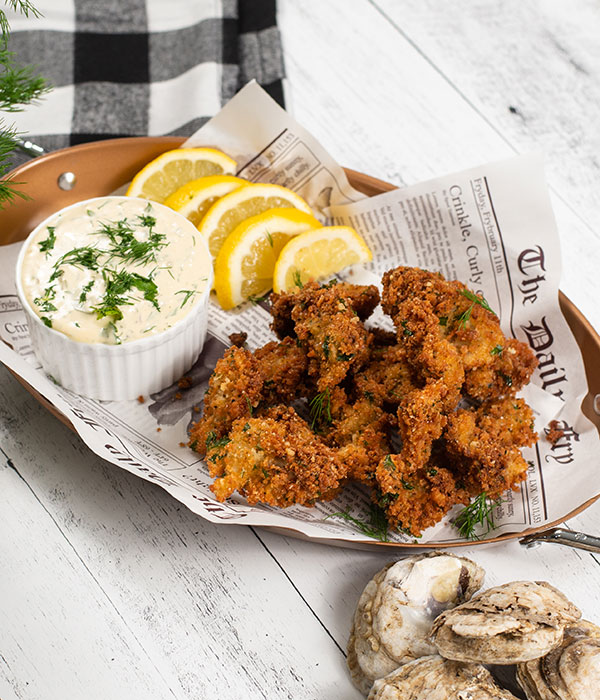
(370, 186)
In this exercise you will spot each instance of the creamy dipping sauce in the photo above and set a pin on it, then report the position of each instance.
(114, 269)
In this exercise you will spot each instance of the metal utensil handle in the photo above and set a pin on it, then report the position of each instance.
(32, 149)
(578, 540)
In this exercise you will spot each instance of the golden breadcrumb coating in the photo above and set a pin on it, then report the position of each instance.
(275, 459)
(234, 390)
(494, 365)
(369, 405)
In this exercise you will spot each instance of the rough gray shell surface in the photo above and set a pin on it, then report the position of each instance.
(569, 672)
(509, 624)
(394, 614)
(436, 678)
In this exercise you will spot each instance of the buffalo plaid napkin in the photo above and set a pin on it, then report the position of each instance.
(141, 67)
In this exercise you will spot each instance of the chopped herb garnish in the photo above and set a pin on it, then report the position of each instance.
(325, 346)
(344, 357)
(406, 484)
(214, 443)
(269, 238)
(48, 243)
(474, 299)
(85, 289)
(297, 279)
(320, 408)
(388, 463)
(407, 332)
(46, 321)
(119, 283)
(478, 513)
(189, 293)
(147, 220)
(432, 471)
(86, 256)
(45, 302)
(497, 350)
(507, 379)
(443, 320)
(257, 300)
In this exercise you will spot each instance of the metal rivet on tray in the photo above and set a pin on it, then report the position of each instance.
(597, 404)
(66, 181)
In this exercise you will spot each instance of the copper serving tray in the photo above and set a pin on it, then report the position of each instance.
(102, 167)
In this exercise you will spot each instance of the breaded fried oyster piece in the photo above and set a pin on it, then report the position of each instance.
(283, 365)
(484, 445)
(234, 390)
(275, 459)
(509, 624)
(415, 498)
(494, 365)
(394, 614)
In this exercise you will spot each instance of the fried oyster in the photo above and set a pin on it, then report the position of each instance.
(377, 407)
(395, 612)
(509, 624)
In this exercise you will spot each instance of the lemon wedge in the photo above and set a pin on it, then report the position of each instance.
(245, 263)
(194, 199)
(317, 254)
(167, 173)
(229, 211)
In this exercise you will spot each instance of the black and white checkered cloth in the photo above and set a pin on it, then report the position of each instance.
(141, 67)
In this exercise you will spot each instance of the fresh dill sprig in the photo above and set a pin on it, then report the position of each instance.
(125, 246)
(23, 6)
(474, 299)
(189, 293)
(48, 243)
(45, 301)
(19, 86)
(253, 299)
(376, 526)
(118, 284)
(479, 513)
(320, 408)
(297, 279)
(269, 238)
(84, 291)
(215, 443)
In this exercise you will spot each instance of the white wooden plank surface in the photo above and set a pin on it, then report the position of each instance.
(108, 587)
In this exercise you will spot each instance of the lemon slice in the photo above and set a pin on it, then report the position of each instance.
(245, 263)
(233, 208)
(317, 254)
(195, 198)
(165, 174)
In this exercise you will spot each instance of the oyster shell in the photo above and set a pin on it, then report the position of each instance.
(516, 622)
(395, 611)
(569, 672)
(435, 678)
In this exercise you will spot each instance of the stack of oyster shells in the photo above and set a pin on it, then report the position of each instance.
(419, 632)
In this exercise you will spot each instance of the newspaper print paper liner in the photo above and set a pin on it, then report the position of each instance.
(270, 146)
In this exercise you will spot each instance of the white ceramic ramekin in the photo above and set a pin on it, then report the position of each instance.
(118, 372)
